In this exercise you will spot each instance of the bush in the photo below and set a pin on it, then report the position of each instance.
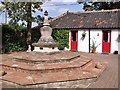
(14, 47)
(61, 37)
(13, 40)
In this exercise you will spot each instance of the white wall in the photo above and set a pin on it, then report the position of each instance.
(114, 42)
(83, 44)
(97, 34)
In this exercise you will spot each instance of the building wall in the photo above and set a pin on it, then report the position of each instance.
(96, 35)
(83, 43)
(114, 40)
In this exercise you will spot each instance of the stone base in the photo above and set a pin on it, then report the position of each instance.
(27, 69)
(45, 49)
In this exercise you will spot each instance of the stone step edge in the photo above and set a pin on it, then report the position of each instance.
(42, 70)
(102, 69)
(46, 61)
(30, 69)
(93, 78)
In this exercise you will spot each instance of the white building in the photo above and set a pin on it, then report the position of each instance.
(100, 26)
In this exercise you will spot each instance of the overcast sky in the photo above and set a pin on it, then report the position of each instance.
(54, 8)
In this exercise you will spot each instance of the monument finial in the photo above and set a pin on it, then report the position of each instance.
(46, 23)
(46, 13)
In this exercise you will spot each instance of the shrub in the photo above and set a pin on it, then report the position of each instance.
(13, 40)
(14, 47)
(61, 37)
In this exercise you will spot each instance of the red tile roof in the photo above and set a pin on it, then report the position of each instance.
(88, 19)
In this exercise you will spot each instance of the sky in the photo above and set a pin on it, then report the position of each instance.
(54, 8)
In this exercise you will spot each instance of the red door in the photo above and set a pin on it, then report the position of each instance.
(106, 41)
(74, 40)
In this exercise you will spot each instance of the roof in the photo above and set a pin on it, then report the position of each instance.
(88, 19)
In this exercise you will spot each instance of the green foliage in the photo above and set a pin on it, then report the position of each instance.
(106, 5)
(35, 35)
(61, 37)
(13, 40)
(22, 12)
(89, 6)
(14, 47)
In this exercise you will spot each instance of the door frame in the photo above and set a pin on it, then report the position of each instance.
(72, 41)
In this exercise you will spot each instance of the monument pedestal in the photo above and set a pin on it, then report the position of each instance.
(45, 49)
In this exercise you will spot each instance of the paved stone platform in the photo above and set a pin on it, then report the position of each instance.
(70, 66)
(37, 57)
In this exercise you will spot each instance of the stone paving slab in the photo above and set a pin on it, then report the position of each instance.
(18, 78)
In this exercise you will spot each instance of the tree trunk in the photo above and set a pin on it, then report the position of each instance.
(29, 24)
(29, 41)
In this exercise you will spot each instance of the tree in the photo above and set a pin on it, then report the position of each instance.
(89, 6)
(22, 12)
(106, 5)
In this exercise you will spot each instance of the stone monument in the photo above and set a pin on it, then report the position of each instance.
(46, 43)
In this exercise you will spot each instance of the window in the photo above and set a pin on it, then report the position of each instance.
(74, 35)
(106, 36)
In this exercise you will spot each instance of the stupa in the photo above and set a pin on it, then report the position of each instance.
(36, 69)
(46, 43)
